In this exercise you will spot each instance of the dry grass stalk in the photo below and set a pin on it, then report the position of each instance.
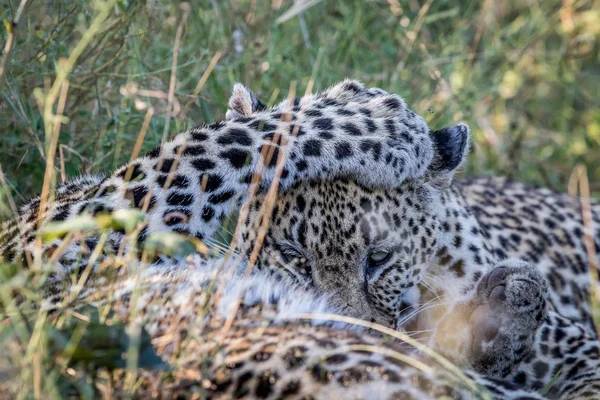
(460, 375)
(52, 121)
(9, 197)
(202, 81)
(61, 158)
(387, 352)
(267, 206)
(579, 179)
(10, 40)
(45, 197)
(296, 9)
(173, 80)
(139, 141)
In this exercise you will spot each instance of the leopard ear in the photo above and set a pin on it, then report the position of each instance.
(243, 103)
(345, 90)
(451, 148)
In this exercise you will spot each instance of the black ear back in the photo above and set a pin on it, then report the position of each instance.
(451, 145)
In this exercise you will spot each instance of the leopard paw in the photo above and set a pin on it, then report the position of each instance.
(493, 330)
(508, 308)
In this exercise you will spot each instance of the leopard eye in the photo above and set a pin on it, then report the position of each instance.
(379, 257)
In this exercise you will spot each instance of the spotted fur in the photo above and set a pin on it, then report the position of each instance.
(192, 182)
(444, 266)
(447, 247)
(274, 349)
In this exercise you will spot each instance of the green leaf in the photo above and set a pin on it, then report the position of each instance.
(8, 271)
(122, 4)
(102, 345)
(127, 219)
(80, 223)
(148, 359)
(170, 244)
(14, 277)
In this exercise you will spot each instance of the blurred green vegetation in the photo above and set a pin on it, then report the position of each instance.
(524, 75)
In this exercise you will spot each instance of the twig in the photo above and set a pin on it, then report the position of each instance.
(49, 171)
(298, 7)
(63, 72)
(10, 41)
(202, 81)
(10, 199)
(139, 142)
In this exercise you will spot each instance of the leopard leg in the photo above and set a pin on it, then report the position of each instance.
(493, 331)
(565, 358)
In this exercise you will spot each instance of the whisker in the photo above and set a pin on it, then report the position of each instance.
(215, 244)
(226, 230)
(418, 309)
(422, 308)
(428, 285)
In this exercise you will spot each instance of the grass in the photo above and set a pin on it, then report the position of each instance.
(87, 84)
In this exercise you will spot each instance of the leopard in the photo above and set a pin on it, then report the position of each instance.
(481, 259)
(367, 136)
(283, 342)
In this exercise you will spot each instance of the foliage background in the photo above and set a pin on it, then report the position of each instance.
(524, 74)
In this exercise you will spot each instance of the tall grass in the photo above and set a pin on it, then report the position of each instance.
(524, 75)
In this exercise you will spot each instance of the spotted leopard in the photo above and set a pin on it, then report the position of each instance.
(440, 294)
(368, 135)
(285, 341)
